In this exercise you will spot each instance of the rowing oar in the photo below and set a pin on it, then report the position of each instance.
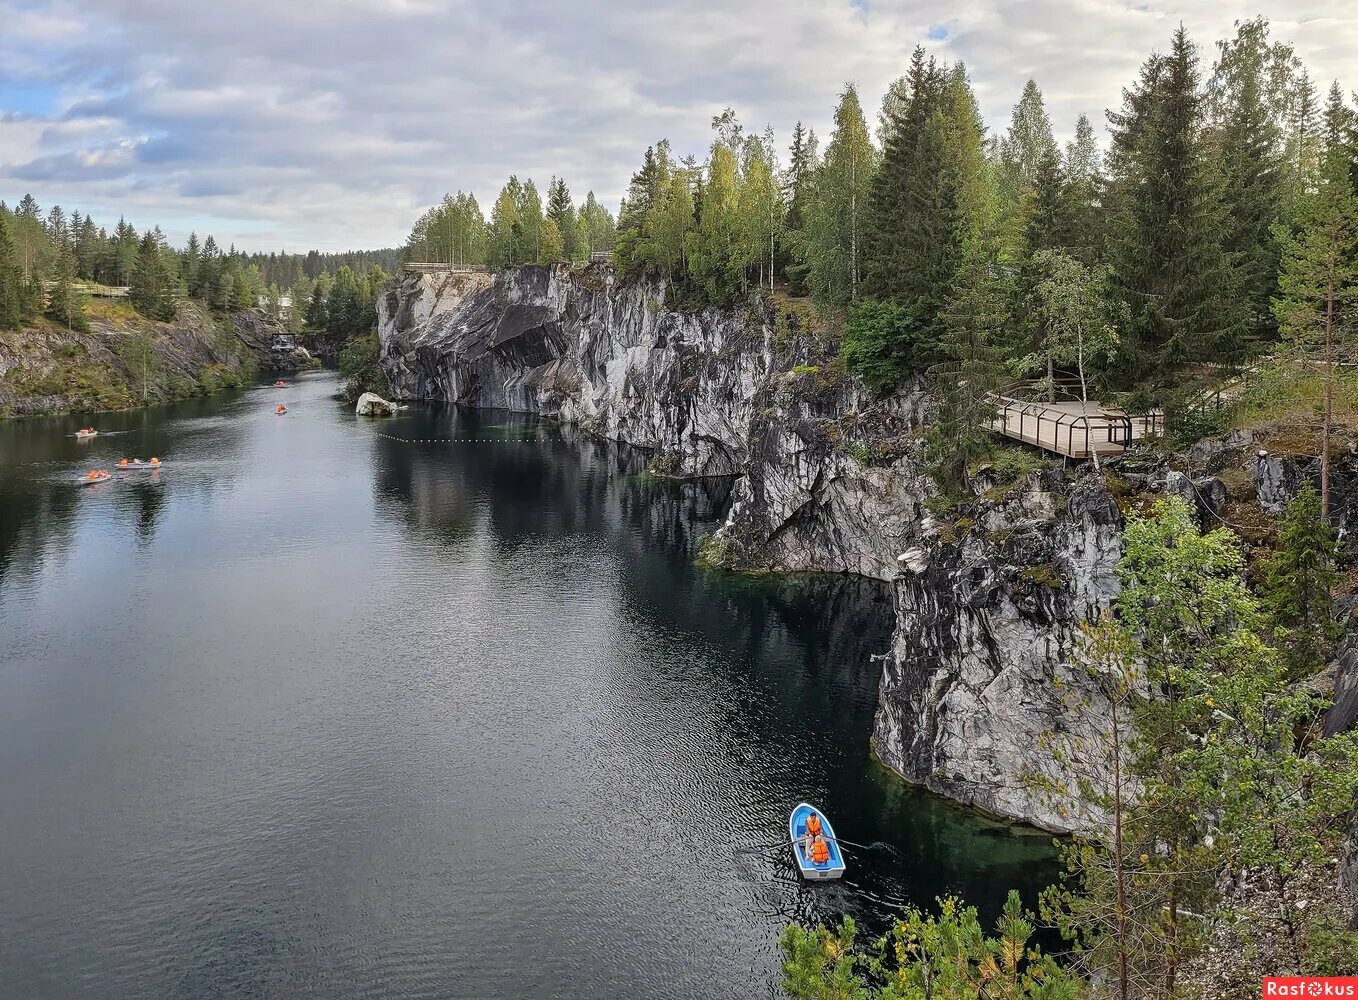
(879, 845)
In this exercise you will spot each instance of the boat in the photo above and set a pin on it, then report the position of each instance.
(280, 384)
(280, 409)
(86, 432)
(796, 829)
(137, 465)
(94, 476)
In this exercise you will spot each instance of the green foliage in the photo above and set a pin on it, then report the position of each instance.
(360, 367)
(882, 343)
(832, 243)
(1298, 584)
(1166, 225)
(452, 232)
(154, 284)
(944, 956)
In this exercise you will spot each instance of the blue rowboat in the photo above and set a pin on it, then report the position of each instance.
(796, 829)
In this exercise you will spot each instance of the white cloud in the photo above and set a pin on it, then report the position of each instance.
(333, 124)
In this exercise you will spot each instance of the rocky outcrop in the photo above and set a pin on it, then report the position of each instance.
(607, 356)
(372, 405)
(981, 668)
(125, 359)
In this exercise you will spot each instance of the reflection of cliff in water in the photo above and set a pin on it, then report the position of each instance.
(522, 478)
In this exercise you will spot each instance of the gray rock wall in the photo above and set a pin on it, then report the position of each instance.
(825, 478)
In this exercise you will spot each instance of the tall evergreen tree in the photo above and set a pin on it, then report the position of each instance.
(11, 280)
(1318, 282)
(803, 159)
(901, 215)
(561, 210)
(1248, 148)
(65, 303)
(1166, 225)
(1299, 581)
(153, 284)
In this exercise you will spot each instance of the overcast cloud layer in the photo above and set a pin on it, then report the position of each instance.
(333, 123)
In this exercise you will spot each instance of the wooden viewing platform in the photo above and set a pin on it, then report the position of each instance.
(1071, 428)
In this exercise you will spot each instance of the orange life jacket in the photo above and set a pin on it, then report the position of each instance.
(813, 824)
(819, 852)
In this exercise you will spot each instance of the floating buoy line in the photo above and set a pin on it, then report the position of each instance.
(455, 440)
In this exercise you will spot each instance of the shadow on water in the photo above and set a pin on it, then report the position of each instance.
(324, 712)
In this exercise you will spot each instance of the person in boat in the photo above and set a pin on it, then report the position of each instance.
(820, 851)
(813, 830)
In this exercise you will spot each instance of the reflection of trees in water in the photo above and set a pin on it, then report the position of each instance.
(37, 517)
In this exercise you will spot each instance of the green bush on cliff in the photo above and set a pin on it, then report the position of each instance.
(359, 366)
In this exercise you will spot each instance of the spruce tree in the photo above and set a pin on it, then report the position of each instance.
(153, 284)
(1166, 226)
(317, 319)
(561, 211)
(1318, 282)
(65, 303)
(901, 216)
(1299, 581)
(12, 298)
(803, 157)
(1248, 149)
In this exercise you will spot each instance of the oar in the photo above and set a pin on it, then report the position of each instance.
(864, 847)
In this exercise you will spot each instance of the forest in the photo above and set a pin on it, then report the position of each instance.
(51, 262)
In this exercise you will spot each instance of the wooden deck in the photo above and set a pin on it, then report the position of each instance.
(1069, 427)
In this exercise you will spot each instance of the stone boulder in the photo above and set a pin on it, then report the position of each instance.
(372, 405)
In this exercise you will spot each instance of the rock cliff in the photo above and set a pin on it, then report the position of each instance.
(826, 477)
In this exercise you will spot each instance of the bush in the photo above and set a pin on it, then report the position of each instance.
(359, 365)
(882, 342)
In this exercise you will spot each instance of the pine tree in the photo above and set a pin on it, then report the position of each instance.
(528, 245)
(646, 188)
(1166, 226)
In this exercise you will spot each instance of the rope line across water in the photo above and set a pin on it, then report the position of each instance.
(453, 440)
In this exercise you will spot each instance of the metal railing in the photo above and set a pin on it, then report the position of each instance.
(427, 266)
(1074, 434)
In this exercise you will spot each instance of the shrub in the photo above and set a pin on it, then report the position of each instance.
(882, 342)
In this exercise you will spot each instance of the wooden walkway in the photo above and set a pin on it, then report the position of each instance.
(427, 267)
(1069, 427)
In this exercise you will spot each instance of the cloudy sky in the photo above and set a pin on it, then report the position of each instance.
(279, 124)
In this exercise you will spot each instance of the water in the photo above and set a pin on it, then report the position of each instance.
(318, 713)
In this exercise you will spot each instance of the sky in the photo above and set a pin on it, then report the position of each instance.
(331, 124)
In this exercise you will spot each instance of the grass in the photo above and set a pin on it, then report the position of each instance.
(1284, 393)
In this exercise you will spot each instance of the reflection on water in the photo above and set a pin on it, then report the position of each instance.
(318, 712)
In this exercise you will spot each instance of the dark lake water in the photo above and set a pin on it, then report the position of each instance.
(318, 713)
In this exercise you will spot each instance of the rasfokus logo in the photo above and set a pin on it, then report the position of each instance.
(1311, 986)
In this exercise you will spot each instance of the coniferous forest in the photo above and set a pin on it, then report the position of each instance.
(50, 262)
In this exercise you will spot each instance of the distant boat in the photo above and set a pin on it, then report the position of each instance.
(94, 476)
(86, 432)
(137, 465)
(280, 384)
(833, 866)
(280, 409)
